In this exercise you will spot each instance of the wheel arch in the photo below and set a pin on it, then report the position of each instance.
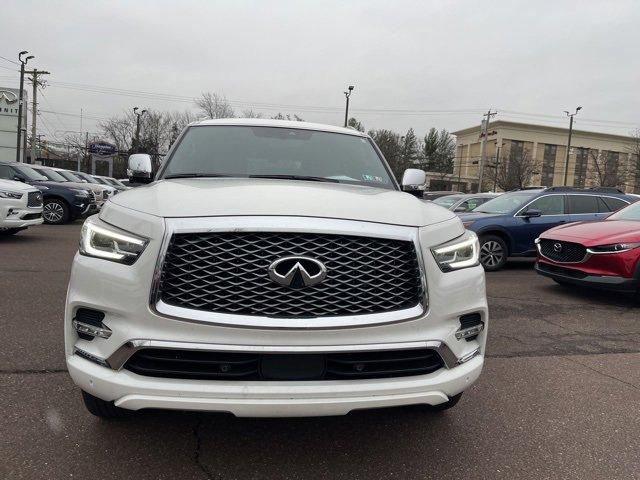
(498, 232)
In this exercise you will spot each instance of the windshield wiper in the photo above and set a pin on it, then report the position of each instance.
(298, 177)
(194, 175)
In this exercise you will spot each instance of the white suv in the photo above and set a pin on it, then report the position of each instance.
(274, 269)
(20, 207)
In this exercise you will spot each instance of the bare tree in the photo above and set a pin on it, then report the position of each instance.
(606, 169)
(516, 170)
(288, 116)
(251, 114)
(213, 105)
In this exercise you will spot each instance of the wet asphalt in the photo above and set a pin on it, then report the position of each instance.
(559, 398)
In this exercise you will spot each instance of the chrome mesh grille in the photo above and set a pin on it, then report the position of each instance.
(227, 272)
(34, 199)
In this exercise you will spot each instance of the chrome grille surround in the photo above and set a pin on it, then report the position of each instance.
(287, 225)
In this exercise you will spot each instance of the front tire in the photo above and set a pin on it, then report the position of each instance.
(55, 212)
(101, 408)
(493, 253)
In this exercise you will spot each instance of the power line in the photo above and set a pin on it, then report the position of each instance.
(11, 61)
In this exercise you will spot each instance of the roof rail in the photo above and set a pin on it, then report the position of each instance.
(588, 189)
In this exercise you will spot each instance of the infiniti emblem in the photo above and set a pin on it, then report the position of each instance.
(8, 96)
(297, 272)
(557, 247)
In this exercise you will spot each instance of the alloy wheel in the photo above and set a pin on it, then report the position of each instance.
(491, 253)
(53, 212)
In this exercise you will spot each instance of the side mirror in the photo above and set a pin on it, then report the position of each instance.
(460, 209)
(412, 179)
(139, 168)
(533, 212)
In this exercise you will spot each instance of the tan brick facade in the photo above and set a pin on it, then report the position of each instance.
(547, 145)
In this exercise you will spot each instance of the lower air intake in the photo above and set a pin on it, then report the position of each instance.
(193, 364)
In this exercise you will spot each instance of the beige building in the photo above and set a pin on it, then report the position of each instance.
(595, 158)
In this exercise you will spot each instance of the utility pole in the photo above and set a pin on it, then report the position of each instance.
(483, 148)
(36, 83)
(21, 101)
(136, 140)
(566, 156)
(346, 111)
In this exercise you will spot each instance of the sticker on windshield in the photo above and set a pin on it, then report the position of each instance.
(372, 178)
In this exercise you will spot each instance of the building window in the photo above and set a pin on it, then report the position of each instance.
(580, 170)
(548, 165)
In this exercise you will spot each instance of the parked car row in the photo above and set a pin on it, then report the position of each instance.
(63, 195)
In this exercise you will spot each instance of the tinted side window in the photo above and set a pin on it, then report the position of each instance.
(579, 204)
(614, 203)
(6, 172)
(548, 205)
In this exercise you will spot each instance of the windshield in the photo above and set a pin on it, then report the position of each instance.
(70, 176)
(52, 175)
(447, 201)
(114, 182)
(632, 212)
(506, 203)
(87, 177)
(247, 151)
(30, 173)
(101, 181)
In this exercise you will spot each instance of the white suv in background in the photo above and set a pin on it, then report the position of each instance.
(274, 269)
(20, 207)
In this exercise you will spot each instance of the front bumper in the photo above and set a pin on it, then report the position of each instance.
(122, 292)
(19, 216)
(577, 277)
(270, 399)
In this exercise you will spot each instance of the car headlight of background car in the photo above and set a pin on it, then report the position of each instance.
(461, 252)
(110, 243)
(613, 248)
(10, 194)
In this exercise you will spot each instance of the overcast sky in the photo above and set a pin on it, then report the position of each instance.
(443, 61)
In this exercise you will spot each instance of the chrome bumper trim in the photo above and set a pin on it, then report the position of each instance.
(118, 358)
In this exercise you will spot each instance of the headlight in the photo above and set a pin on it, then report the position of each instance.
(10, 194)
(613, 248)
(460, 253)
(110, 243)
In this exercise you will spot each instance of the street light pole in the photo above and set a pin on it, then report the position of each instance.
(566, 157)
(136, 146)
(20, 101)
(346, 111)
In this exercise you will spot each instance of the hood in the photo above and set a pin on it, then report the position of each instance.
(473, 216)
(596, 233)
(15, 186)
(206, 197)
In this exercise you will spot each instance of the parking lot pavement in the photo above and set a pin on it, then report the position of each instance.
(559, 398)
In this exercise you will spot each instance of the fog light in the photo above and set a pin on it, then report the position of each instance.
(469, 332)
(88, 324)
(471, 325)
(92, 330)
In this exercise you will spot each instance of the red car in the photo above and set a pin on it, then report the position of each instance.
(604, 254)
